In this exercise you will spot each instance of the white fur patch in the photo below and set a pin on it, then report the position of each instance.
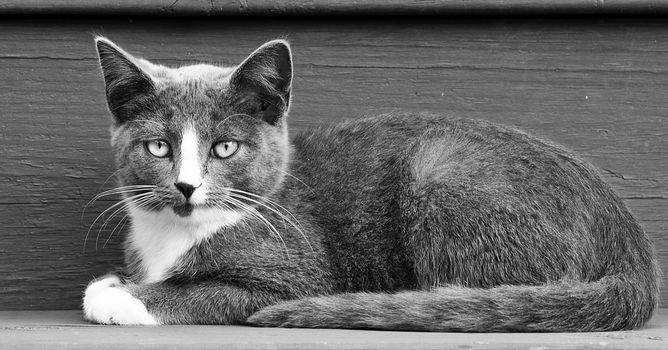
(105, 301)
(202, 72)
(190, 171)
(161, 238)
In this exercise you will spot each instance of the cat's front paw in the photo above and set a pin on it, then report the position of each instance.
(107, 301)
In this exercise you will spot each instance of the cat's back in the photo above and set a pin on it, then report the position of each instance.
(358, 156)
(373, 179)
(459, 154)
(430, 138)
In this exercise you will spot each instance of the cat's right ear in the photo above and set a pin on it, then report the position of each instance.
(127, 84)
(265, 78)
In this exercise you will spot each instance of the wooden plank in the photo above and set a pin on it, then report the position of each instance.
(65, 330)
(596, 86)
(328, 7)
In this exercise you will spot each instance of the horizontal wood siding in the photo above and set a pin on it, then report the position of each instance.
(329, 7)
(598, 86)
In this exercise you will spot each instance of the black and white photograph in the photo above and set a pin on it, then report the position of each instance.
(313, 174)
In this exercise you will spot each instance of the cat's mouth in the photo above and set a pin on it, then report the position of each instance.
(184, 209)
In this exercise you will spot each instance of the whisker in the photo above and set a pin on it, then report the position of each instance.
(267, 200)
(122, 189)
(148, 205)
(223, 205)
(230, 116)
(220, 202)
(296, 178)
(83, 211)
(118, 190)
(297, 226)
(126, 217)
(145, 201)
(120, 209)
(281, 215)
(122, 220)
(121, 202)
(123, 226)
(262, 219)
(154, 205)
(109, 178)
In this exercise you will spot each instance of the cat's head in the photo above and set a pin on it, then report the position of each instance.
(184, 138)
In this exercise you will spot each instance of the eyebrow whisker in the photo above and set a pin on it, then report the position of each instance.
(230, 116)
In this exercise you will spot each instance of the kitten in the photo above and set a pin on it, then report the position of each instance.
(398, 222)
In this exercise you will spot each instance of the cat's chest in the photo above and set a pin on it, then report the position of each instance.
(161, 239)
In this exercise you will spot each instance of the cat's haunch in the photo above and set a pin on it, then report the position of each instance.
(407, 221)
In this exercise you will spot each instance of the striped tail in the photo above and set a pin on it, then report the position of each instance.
(612, 303)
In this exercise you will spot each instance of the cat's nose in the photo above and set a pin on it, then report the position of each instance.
(185, 188)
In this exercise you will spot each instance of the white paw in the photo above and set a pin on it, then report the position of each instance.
(105, 301)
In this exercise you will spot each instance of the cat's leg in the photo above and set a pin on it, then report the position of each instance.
(109, 301)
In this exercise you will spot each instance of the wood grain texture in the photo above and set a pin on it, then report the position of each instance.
(596, 86)
(329, 7)
(55, 330)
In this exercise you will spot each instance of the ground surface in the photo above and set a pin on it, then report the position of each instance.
(65, 330)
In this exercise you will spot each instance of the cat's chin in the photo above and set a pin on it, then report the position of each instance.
(183, 210)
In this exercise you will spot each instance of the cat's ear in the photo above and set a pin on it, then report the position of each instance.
(266, 78)
(127, 84)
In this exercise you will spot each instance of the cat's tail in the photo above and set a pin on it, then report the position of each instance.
(611, 303)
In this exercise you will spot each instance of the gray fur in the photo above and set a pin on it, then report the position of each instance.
(411, 221)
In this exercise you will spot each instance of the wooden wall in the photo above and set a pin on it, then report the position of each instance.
(329, 7)
(598, 86)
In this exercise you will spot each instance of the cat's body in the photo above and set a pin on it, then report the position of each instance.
(408, 222)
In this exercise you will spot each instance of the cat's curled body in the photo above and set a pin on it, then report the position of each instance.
(398, 222)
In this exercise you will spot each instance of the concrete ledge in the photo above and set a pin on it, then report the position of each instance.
(66, 330)
(328, 7)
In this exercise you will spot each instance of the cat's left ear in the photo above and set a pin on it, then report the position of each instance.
(128, 85)
(266, 78)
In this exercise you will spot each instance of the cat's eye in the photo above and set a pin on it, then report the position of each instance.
(224, 149)
(158, 148)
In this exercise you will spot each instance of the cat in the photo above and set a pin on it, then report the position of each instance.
(404, 221)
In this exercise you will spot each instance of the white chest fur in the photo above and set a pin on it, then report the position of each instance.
(161, 238)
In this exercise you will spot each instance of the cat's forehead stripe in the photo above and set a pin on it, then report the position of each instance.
(190, 165)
